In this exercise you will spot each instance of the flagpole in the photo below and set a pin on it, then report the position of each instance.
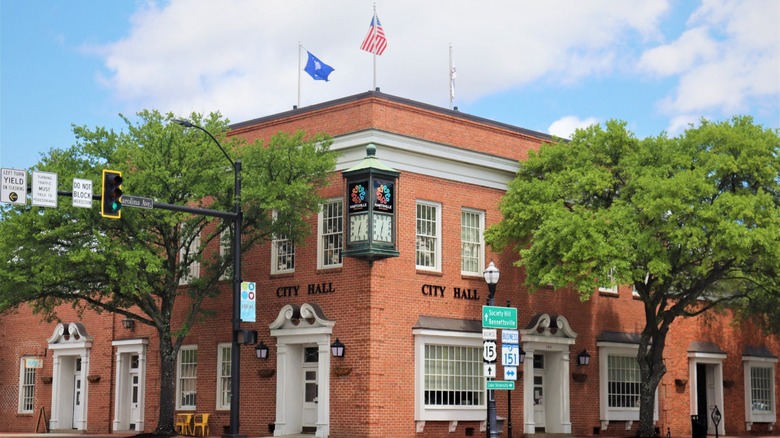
(452, 80)
(299, 74)
(375, 45)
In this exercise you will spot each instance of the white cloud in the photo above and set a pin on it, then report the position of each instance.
(679, 124)
(565, 127)
(725, 64)
(241, 56)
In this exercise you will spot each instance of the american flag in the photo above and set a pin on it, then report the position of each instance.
(375, 42)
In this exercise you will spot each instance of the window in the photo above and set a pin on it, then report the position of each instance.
(26, 388)
(449, 380)
(282, 254)
(428, 236)
(610, 286)
(331, 233)
(187, 378)
(760, 403)
(225, 247)
(472, 248)
(622, 382)
(620, 379)
(223, 376)
(186, 254)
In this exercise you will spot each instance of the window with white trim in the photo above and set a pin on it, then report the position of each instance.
(428, 255)
(330, 230)
(760, 403)
(225, 246)
(223, 376)
(26, 388)
(472, 245)
(187, 377)
(620, 379)
(187, 253)
(282, 253)
(610, 286)
(449, 380)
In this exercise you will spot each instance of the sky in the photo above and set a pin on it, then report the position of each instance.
(550, 66)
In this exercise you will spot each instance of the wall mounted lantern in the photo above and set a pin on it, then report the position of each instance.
(128, 324)
(583, 358)
(337, 348)
(261, 350)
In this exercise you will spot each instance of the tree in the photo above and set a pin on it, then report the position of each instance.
(691, 222)
(133, 266)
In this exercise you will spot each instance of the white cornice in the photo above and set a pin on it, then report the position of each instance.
(408, 154)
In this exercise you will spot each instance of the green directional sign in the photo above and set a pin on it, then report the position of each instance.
(500, 384)
(499, 317)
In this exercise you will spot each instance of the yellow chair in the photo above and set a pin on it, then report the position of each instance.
(202, 421)
(182, 424)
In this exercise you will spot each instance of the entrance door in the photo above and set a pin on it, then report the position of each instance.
(539, 412)
(310, 388)
(77, 395)
(135, 412)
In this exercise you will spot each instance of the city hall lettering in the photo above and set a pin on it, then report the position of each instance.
(432, 290)
(311, 289)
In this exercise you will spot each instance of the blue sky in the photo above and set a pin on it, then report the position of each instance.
(548, 66)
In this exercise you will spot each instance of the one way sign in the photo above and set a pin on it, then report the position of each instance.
(510, 373)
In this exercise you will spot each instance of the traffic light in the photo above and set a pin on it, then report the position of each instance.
(111, 197)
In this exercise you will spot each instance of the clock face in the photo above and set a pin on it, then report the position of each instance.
(383, 227)
(358, 227)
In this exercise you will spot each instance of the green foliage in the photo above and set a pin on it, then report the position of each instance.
(691, 222)
(132, 266)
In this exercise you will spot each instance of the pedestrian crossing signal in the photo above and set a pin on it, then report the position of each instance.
(111, 197)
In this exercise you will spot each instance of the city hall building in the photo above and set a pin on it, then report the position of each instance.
(386, 339)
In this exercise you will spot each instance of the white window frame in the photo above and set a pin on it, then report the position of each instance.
(423, 412)
(480, 242)
(26, 383)
(436, 262)
(613, 288)
(330, 235)
(751, 416)
(606, 412)
(225, 246)
(180, 379)
(193, 270)
(278, 265)
(224, 357)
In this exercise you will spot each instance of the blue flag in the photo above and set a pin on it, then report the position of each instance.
(317, 69)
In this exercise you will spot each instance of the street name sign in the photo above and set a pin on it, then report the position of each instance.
(499, 317)
(500, 384)
(13, 186)
(489, 351)
(44, 189)
(137, 201)
(82, 193)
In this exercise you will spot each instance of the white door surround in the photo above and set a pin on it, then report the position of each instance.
(126, 416)
(294, 328)
(69, 343)
(551, 336)
(711, 357)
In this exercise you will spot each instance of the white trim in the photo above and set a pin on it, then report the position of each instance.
(422, 413)
(125, 348)
(22, 377)
(481, 232)
(179, 406)
(606, 413)
(438, 236)
(320, 230)
(751, 416)
(220, 388)
(275, 242)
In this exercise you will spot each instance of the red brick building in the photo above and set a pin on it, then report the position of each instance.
(411, 324)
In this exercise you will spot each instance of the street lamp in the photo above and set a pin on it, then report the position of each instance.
(235, 352)
(491, 275)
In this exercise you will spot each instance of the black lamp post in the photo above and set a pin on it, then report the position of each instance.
(235, 352)
(491, 275)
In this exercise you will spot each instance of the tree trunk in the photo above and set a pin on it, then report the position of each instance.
(165, 424)
(652, 369)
